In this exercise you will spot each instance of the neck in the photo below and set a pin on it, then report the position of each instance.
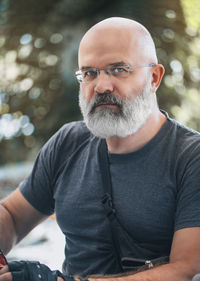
(140, 138)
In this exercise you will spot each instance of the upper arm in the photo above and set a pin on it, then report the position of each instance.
(24, 216)
(186, 248)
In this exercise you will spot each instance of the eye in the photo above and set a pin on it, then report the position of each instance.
(92, 73)
(119, 70)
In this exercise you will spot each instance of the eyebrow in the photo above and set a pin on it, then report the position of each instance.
(86, 67)
(118, 63)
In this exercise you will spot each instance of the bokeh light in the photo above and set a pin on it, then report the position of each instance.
(26, 39)
(38, 57)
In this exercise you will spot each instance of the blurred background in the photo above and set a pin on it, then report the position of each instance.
(38, 56)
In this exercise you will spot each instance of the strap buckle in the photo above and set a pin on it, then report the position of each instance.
(149, 263)
(108, 204)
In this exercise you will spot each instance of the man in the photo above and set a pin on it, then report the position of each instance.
(154, 164)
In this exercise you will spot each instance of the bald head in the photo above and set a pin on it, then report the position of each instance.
(123, 35)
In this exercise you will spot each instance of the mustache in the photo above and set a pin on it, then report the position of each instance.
(106, 98)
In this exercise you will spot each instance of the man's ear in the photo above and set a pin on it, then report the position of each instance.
(157, 74)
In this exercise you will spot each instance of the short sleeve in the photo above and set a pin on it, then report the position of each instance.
(38, 187)
(188, 196)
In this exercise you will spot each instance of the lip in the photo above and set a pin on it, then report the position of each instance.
(107, 105)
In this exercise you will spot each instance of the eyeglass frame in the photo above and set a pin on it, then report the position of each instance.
(79, 72)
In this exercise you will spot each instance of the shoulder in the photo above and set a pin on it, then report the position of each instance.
(70, 138)
(70, 133)
(66, 140)
(186, 138)
(183, 143)
(76, 130)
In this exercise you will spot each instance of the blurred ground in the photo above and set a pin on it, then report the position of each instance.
(11, 175)
(46, 242)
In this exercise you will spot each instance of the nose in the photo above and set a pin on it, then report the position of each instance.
(103, 83)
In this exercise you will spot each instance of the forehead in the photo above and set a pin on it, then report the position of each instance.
(105, 46)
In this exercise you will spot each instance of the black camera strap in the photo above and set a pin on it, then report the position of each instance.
(107, 197)
(130, 254)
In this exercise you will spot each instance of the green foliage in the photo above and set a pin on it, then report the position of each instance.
(38, 57)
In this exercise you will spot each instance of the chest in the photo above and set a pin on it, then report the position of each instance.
(144, 199)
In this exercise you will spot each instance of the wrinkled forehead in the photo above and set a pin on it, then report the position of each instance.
(108, 45)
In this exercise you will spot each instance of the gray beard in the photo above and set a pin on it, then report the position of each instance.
(106, 123)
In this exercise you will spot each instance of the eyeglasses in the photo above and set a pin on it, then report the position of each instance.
(120, 71)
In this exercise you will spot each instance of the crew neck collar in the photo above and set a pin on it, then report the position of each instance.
(164, 130)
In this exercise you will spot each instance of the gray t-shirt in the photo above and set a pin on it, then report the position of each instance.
(156, 191)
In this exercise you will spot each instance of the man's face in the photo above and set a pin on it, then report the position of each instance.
(111, 106)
